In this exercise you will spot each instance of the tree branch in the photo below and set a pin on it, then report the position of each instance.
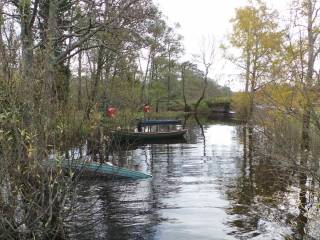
(34, 13)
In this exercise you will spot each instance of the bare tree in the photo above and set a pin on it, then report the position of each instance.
(207, 57)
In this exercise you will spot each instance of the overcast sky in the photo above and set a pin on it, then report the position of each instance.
(205, 18)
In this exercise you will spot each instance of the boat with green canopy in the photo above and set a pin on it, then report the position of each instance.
(149, 122)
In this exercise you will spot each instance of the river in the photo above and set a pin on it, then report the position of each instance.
(213, 186)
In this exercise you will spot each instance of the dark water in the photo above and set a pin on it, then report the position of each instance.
(215, 186)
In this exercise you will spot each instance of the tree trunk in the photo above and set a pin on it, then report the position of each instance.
(27, 41)
(57, 73)
(253, 83)
(305, 141)
(248, 60)
(4, 60)
(144, 98)
(50, 87)
(79, 80)
(96, 80)
(169, 78)
(203, 91)
(251, 102)
(183, 78)
(248, 63)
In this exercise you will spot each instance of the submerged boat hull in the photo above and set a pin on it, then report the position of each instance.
(95, 169)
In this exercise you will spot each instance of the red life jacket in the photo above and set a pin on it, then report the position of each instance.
(146, 108)
(111, 112)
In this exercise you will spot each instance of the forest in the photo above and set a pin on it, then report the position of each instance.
(64, 62)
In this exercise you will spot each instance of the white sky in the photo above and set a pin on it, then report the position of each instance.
(206, 18)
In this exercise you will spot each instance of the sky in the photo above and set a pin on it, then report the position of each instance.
(209, 19)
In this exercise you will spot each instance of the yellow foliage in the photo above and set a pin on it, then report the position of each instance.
(284, 96)
(95, 119)
(240, 103)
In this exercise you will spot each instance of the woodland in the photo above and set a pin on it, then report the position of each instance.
(63, 62)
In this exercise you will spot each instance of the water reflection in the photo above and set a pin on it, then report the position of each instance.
(224, 183)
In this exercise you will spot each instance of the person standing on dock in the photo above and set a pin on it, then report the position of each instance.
(139, 126)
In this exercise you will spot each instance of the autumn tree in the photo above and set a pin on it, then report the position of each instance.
(256, 35)
(304, 49)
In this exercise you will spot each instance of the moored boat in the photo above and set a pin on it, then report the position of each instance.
(127, 136)
(148, 122)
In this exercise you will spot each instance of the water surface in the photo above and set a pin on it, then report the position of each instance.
(213, 187)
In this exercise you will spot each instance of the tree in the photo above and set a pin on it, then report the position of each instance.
(157, 30)
(160, 78)
(256, 34)
(308, 27)
(173, 50)
(184, 67)
(207, 57)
